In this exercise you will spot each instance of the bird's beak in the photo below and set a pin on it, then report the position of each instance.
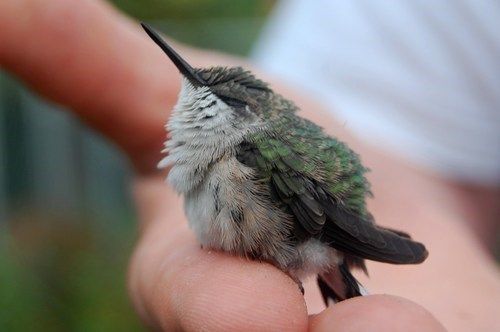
(179, 62)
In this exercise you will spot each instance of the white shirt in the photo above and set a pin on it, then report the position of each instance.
(421, 78)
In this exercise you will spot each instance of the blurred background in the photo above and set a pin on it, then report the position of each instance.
(66, 222)
(417, 78)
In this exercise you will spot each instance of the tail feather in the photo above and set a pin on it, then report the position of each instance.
(339, 284)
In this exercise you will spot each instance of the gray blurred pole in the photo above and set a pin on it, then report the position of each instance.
(3, 161)
(52, 149)
(105, 173)
(74, 171)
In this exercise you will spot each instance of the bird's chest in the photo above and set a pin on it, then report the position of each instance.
(232, 212)
(215, 212)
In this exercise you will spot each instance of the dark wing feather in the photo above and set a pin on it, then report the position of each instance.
(308, 212)
(369, 241)
(325, 209)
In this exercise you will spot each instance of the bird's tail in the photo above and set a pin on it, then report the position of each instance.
(339, 284)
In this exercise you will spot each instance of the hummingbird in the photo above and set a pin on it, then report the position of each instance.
(261, 182)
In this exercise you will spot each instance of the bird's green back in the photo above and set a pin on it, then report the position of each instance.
(300, 148)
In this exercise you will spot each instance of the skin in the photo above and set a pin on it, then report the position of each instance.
(87, 56)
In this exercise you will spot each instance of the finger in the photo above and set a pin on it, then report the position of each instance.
(375, 313)
(87, 56)
(176, 285)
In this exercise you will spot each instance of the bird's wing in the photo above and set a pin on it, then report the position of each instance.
(320, 181)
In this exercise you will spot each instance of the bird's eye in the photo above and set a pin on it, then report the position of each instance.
(233, 102)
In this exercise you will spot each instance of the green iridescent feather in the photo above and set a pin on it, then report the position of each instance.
(301, 149)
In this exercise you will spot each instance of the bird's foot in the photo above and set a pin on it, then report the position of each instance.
(301, 288)
(297, 280)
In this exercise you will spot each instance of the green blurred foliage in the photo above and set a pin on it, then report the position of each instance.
(61, 272)
(194, 9)
(65, 275)
(226, 25)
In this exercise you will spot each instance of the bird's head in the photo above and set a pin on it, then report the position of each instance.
(218, 95)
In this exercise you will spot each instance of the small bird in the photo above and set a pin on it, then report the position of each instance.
(261, 182)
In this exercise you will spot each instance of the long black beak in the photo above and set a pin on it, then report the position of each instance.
(179, 62)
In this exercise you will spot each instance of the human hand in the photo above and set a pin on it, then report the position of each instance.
(177, 285)
(98, 63)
